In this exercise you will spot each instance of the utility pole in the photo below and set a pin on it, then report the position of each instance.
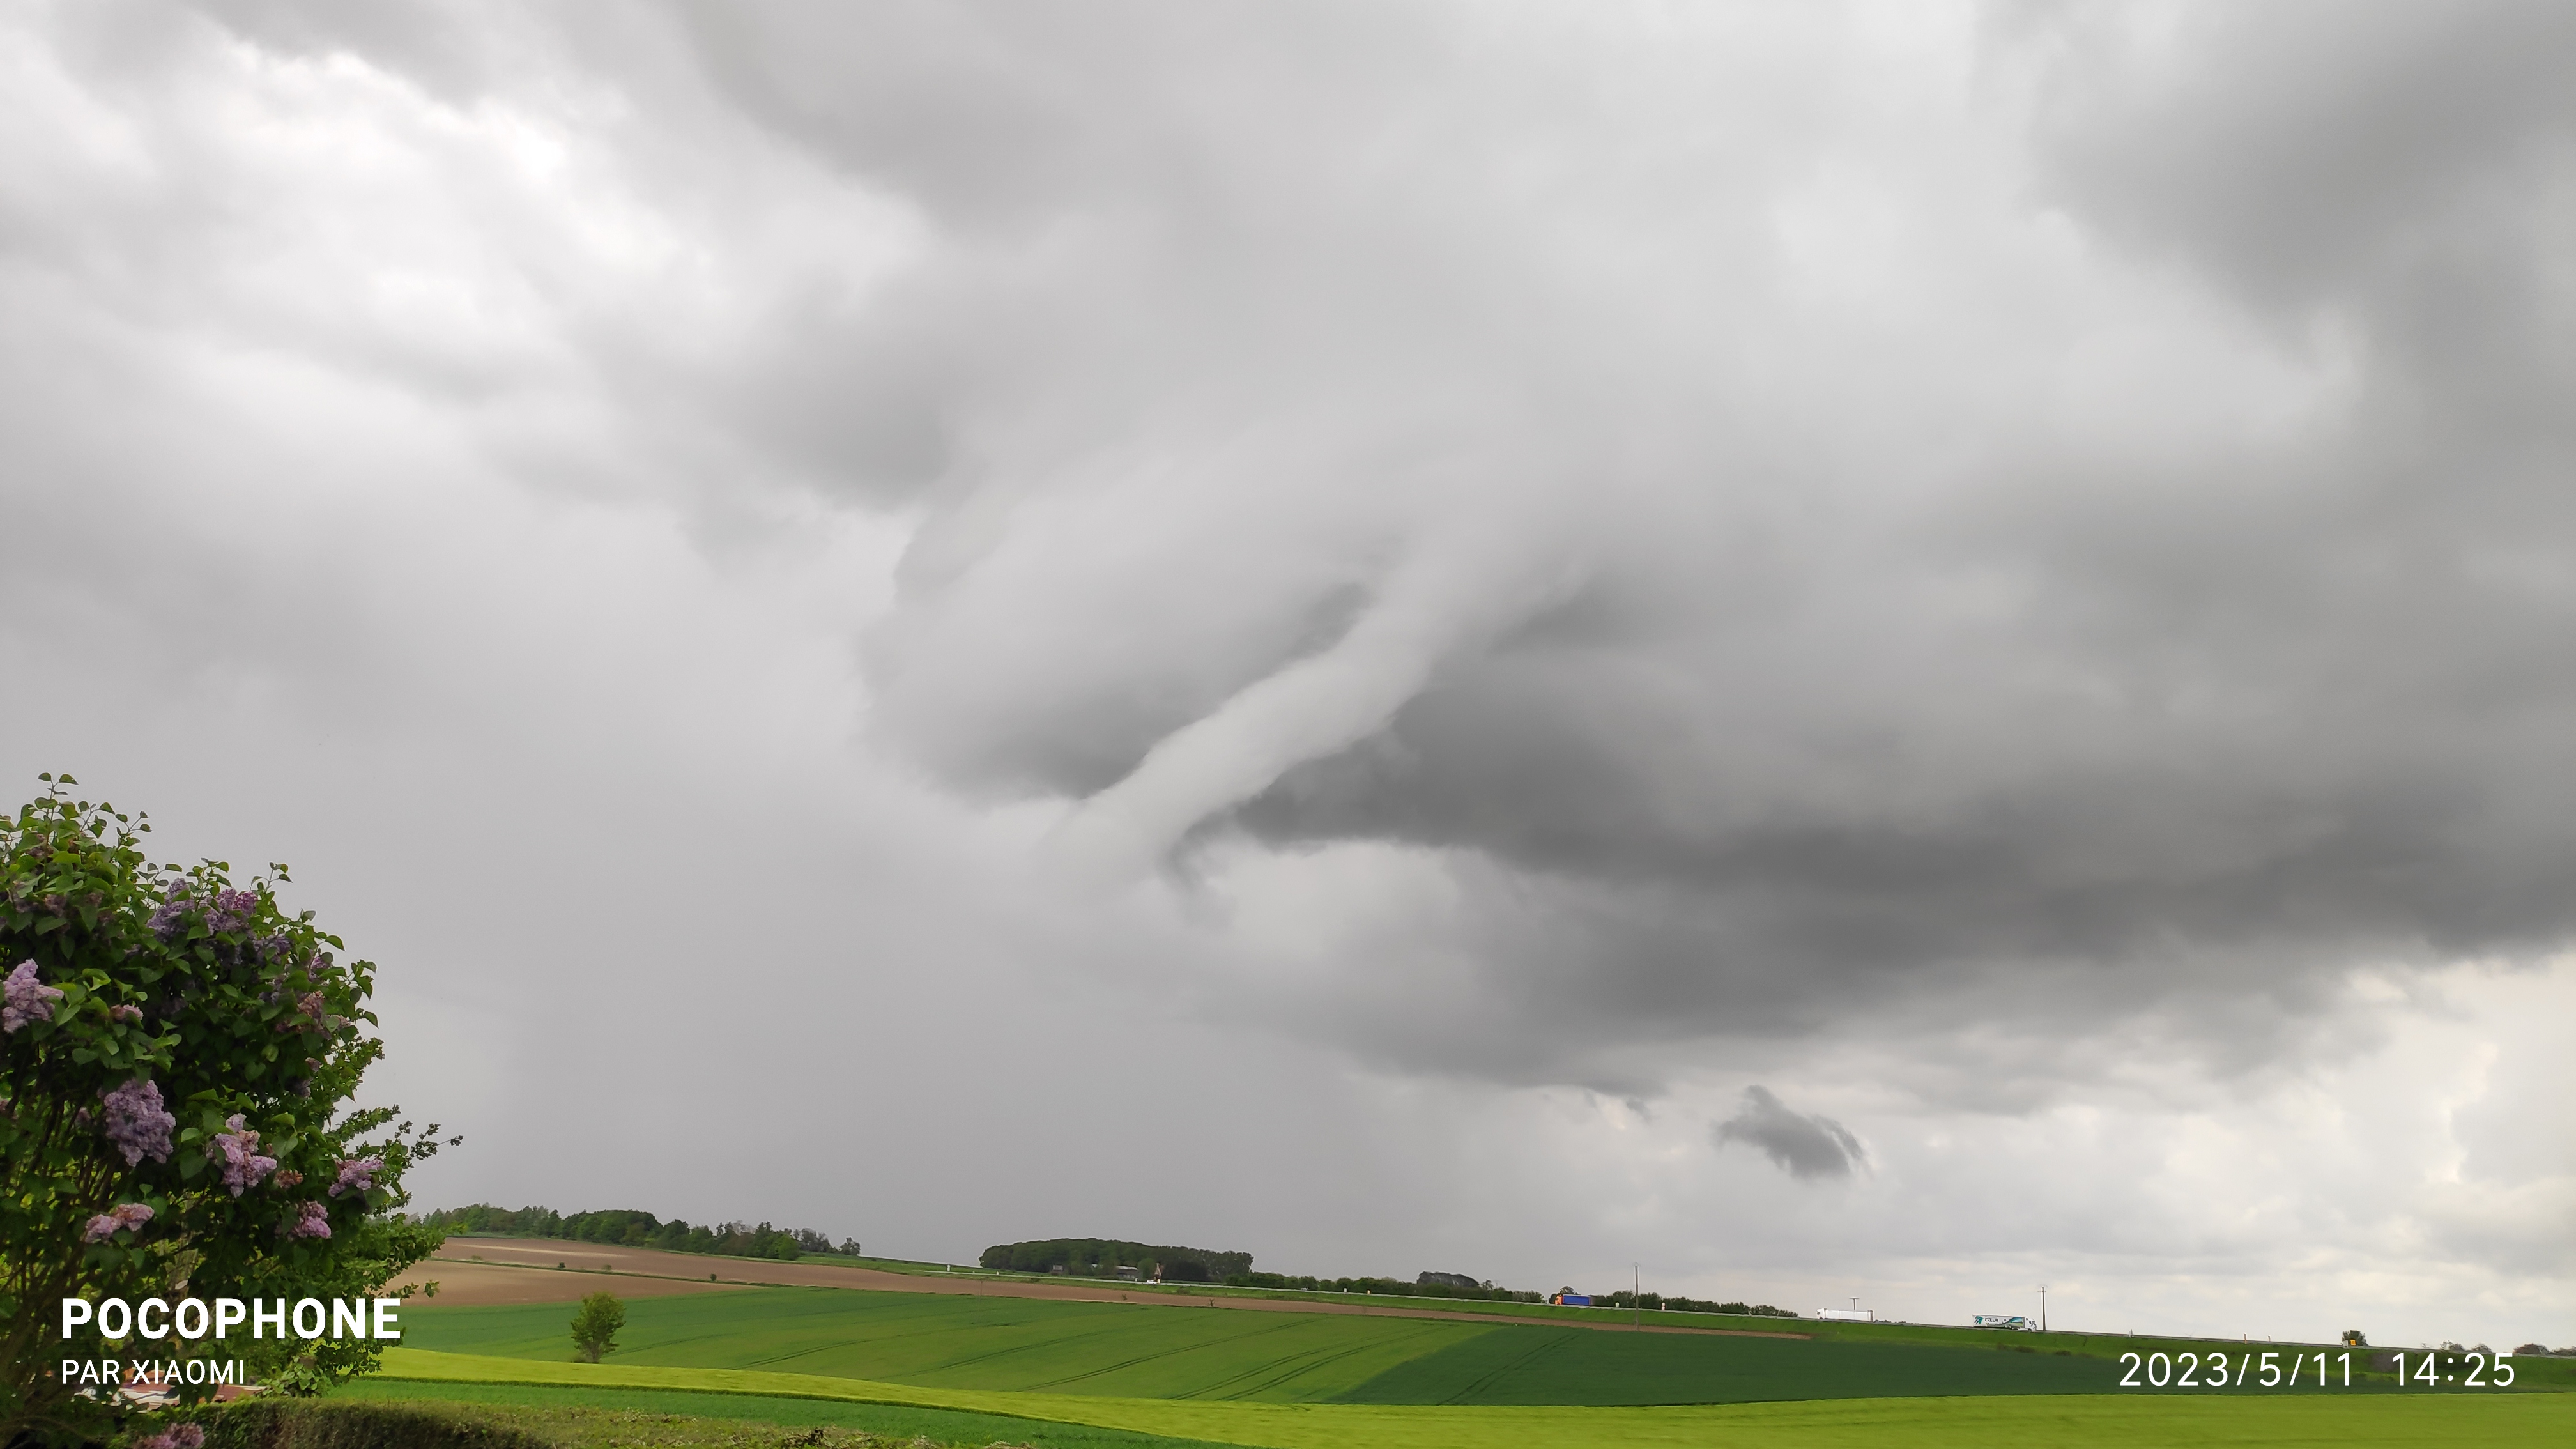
(1636, 1303)
(2043, 1308)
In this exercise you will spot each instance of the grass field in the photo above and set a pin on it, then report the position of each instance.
(975, 1343)
(533, 1404)
(2363, 1421)
(2535, 1373)
(753, 1366)
(2106, 1349)
(1582, 1366)
(1155, 1352)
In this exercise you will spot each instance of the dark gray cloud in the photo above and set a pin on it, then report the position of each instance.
(1804, 1146)
(1799, 533)
(1788, 691)
(1340, 428)
(2314, 154)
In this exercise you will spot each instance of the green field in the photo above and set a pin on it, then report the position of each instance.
(1026, 1345)
(1706, 1382)
(1585, 1366)
(944, 1341)
(890, 1421)
(2116, 1421)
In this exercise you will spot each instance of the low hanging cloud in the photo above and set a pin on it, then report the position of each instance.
(2030, 517)
(1806, 1146)
(1881, 540)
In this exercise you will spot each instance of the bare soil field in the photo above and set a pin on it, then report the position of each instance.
(481, 1283)
(545, 1270)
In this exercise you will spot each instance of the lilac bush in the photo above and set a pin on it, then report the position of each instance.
(178, 1058)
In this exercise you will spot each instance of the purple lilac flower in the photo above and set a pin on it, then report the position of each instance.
(230, 910)
(108, 1224)
(27, 999)
(125, 1013)
(177, 1436)
(312, 1220)
(169, 919)
(310, 1003)
(242, 1164)
(357, 1174)
(136, 1123)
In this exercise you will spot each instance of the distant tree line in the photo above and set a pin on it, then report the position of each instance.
(1651, 1302)
(1103, 1257)
(1429, 1285)
(627, 1228)
(1459, 1285)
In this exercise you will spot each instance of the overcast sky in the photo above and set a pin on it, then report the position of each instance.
(1885, 651)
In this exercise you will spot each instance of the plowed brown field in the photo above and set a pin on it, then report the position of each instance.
(475, 1283)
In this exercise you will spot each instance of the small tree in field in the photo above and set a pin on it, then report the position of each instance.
(177, 1058)
(594, 1329)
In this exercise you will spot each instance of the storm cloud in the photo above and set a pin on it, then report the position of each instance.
(2026, 509)
(1920, 529)
(1803, 1146)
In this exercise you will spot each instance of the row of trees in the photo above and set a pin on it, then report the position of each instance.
(1458, 1285)
(178, 1058)
(627, 1227)
(1103, 1257)
(1429, 1285)
(1651, 1302)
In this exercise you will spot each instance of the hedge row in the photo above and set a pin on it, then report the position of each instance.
(343, 1424)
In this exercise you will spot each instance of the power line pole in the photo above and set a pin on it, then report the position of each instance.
(2043, 1308)
(1636, 1300)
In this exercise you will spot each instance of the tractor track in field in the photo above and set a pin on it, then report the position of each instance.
(510, 1270)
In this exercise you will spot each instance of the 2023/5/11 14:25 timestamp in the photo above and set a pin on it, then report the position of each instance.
(2273, 1369)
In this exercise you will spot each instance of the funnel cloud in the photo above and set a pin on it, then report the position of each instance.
(1801, 1145)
